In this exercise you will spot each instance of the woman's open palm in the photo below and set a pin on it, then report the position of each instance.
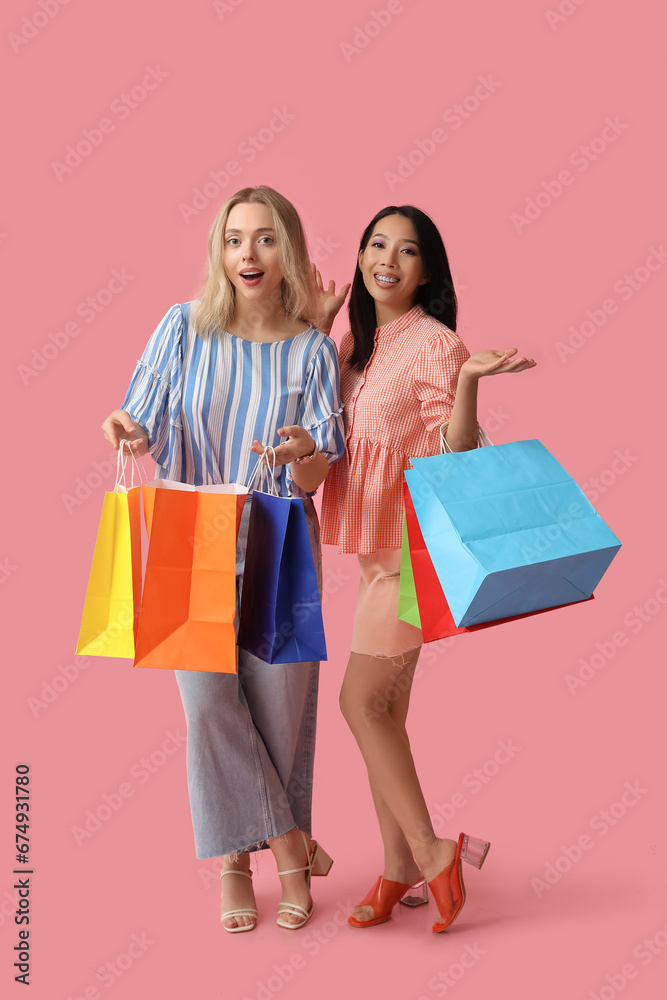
(496, 363)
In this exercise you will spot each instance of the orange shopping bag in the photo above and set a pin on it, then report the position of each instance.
(188, 604)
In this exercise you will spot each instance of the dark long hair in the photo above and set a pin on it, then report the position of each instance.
(437, 297)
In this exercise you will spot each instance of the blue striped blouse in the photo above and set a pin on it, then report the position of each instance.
(203, 401)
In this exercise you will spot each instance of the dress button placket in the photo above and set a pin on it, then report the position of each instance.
(356, 395)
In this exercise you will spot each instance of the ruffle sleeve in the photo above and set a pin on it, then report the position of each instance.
(321, 411)
(153, 398)
(436, 375)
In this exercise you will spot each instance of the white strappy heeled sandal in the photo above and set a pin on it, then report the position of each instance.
(248, 912)
(318, 863)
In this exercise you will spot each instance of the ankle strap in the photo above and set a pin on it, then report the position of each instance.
(308, 867)
(235, 871)
(294, 871)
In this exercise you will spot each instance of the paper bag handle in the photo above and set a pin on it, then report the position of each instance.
(120, 486)
(483, 440)
(264, 471)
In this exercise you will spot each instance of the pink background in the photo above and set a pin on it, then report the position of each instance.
(354, 97)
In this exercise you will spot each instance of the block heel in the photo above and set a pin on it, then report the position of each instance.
(448, 888)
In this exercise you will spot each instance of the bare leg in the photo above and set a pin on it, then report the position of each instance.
(237, 893)
(395, 699)
(371, 689)
(399, 864)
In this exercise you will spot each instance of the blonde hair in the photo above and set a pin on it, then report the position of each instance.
(217, 307)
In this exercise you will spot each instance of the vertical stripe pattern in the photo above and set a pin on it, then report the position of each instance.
(393, 412)
(203, 401)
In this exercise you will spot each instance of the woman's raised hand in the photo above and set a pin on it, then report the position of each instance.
(496, 363)
(119, 425)
(327, 303)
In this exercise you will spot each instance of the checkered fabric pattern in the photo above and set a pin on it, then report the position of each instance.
(393, 412)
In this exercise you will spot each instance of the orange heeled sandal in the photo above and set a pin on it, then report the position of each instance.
(448, 888)
(418, 896)
(383, 897)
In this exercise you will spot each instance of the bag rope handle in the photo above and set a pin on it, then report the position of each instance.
(483, 440)
(120, 485)
(264, 470)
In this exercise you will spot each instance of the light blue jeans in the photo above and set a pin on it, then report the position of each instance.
(251, 739)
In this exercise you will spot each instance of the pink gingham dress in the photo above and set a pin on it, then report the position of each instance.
(393, 412)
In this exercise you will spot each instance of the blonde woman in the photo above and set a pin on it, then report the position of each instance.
(221, 379)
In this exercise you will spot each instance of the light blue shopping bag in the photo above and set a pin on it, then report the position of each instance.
(508, 531)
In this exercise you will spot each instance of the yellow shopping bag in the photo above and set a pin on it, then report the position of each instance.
(111, 608)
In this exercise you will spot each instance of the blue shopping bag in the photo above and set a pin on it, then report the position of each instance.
(508, 531)
(281, 612)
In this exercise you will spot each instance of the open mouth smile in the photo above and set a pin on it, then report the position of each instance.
(251, 276)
